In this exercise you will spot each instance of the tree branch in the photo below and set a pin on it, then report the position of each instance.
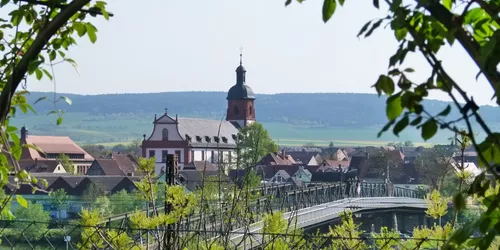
(34, 50)
(470, 45)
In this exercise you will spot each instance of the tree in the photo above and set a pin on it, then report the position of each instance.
(102, 206)
(91, 194)
(433, 166)
(254, 144)
(384, 163)
(66, 163)
(424, 27)
(59, 200)
(35, 220)
(37, 35)
(123, 202)
(97, 151)
(347, 234)
(437, 206)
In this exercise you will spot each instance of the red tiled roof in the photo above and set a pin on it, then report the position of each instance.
(126, 162)
(55, 144)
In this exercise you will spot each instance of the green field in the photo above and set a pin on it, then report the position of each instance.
(112, 129)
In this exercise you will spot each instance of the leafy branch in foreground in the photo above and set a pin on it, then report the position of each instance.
(424, 27)
(35, 35)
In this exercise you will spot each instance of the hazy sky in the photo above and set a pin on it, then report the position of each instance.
(166, 45)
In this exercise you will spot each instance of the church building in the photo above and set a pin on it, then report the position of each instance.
(194, 139)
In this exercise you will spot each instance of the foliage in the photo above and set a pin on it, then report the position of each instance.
(96, 151)
(346, 235)
(437, 206)
(92, 192)
(425, 27)
(255, 143)
(386, 239)
(35, 219)
(407, 143)
(59, 200)
(123, 202)
(438, 234)
(102, 206)
(384, 162)
(66, 163)
(434, 165)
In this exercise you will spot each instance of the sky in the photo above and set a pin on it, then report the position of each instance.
(162, 46)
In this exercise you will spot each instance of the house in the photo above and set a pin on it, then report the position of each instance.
(280, 177)
(334, 166)
(336, 154)
(105, 167)
(118, 164)
(194, 179)
(42, 166)
(194, 139)
(52, 147)
(363, 159)
(200, 166)
(277, 158)
(127, 163)
(305, 158)
(304, 175)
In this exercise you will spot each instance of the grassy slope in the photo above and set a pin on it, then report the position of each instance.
(111, 130)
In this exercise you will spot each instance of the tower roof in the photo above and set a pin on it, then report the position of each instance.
(240, 91)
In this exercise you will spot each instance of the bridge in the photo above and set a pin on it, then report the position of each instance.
(317, 203)
(323, 213)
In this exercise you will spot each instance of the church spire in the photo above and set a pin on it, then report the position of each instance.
(240, 71)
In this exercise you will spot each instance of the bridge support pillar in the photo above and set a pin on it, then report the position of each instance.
(395, 221)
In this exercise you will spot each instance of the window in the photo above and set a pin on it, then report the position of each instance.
(212, 158)
(164, 154)
(58, 168)
(250, 110)
(224, 139)
(179, 158)
(216, 139)
(188, 138)
(164, 134)
(151, 153)
(202, 155)
(207, 138)
(192, 155)
(236, 111)
(198, 138)
(229, 157)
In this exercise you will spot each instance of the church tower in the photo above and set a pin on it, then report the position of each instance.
(240, 100)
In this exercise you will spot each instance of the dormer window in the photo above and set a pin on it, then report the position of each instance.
(216, 139)
(234, 136)
(207, 138)
(164, 134)
(188, 138)
(224, 139)
(198, 138)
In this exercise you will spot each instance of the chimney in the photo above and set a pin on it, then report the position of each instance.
(367, 155)
(24, 133)
(283, 152)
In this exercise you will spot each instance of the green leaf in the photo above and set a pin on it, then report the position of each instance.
(91, 32)
(385, 84)
(329, 7)
(400, 34)
(364, 28)
(376, 4)
(374, 27)
(459, 201)
(39, 74)
(385, 128)
(446, 111)
(417, 121)
(341, 2)
(22, 201)
(447, 4)
(40, 99)
(66, 99)
(429, 129)
(47, 74)
(394, 107)
(59, 120)
(409, 70)
(4, 2)
(401, 125)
